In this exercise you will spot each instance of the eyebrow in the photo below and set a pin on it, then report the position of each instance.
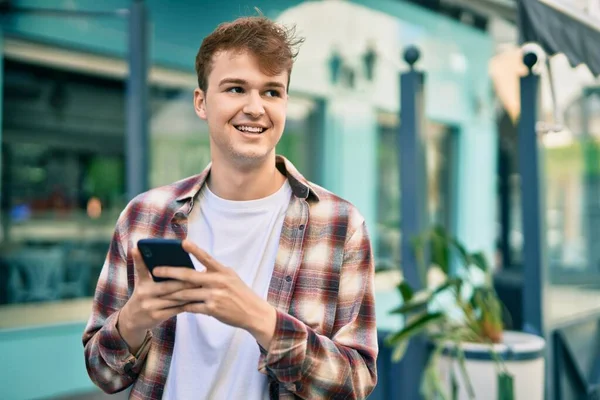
(235, 81)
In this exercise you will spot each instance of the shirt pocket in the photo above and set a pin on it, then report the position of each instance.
(315, 297)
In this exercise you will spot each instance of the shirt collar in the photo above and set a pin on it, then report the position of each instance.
(301, 188)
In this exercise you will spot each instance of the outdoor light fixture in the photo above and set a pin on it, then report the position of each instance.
(342, 72)
(369, 60)
(335, 66)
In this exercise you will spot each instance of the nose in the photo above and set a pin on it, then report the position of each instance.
(254, 106)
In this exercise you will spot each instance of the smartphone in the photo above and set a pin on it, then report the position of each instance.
(165, 253)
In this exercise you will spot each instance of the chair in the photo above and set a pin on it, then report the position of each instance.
(77, 269)
(35, 274)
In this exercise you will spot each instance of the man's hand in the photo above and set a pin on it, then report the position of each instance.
(147, 307)
(220, 293)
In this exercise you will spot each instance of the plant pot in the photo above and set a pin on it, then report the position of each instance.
(523, 356)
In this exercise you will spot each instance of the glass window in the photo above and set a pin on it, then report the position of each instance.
(440, 154)
(63, 188)
(179, 141)
(300, 136)
(509, 240)
(62, 184)
(387, 248)
(572, 199)
(572, 184)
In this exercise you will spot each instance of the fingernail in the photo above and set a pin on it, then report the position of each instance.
(158, 271)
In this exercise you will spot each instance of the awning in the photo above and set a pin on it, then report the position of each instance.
(560, 27)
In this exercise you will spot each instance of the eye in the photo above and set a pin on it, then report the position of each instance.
(273, 93)
(235, 89)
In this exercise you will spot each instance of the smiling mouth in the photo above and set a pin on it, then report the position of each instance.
(250, 129)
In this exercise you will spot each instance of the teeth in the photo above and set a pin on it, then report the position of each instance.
(251, 129)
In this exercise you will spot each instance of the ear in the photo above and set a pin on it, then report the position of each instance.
(200, 103)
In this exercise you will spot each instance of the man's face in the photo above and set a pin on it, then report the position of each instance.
(244, 108)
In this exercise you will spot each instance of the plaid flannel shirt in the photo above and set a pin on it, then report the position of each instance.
(325, 342)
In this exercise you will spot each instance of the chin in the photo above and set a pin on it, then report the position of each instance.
(250, 157)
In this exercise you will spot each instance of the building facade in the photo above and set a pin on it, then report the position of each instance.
(64, 84)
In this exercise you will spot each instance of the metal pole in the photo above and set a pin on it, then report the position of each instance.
(136, 140)
(504, 161)
(532, 203)
(533, 213)
(413, 189)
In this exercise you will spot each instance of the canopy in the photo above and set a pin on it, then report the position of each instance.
(559, 27)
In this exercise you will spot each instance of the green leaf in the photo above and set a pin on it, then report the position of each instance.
(414, 327)
(440, 252)
(463, 370)
(480, 261)
(428, 384)
(405, 291)
(466, 258)
(439, 230)
(453, 382)
(418, 300)
(432, 387)
(474, 299)
(431, 384)
(399, 351)
(449, 283)
(505, 386)
(411, 306)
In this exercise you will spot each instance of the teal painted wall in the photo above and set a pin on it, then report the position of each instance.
(177, 27)
(41, 362)
(458, 92)
(350, 152)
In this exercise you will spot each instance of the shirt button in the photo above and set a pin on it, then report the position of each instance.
(301, 227)
(288, 278)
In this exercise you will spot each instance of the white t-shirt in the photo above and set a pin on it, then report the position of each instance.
(212, 360)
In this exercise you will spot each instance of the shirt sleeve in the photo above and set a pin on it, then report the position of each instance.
(110, 364)
(315, 366)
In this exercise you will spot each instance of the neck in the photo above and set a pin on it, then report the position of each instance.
(241, 184)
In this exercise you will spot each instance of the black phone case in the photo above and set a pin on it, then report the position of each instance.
(165, 253)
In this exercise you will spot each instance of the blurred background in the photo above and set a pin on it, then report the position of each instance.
(96, 106)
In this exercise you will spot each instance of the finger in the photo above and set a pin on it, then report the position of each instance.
(193, 277)
(167, 313)
(140, 266)
(189, 295)
(165, 288)
(198, 308)
(206, 259)
(160, 304)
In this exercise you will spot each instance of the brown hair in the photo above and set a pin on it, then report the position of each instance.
(274, 45)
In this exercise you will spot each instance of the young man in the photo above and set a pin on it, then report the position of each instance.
(281, 302)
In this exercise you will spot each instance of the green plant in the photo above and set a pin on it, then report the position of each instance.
(454, 310)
